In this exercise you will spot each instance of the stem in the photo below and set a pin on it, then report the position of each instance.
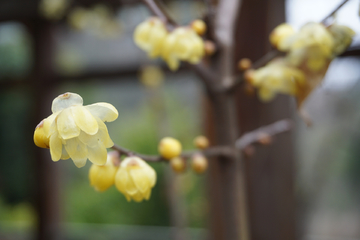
(334, 11)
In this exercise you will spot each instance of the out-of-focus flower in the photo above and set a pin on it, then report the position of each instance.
(53, 9)
(199, 163)
(178, 164)
(99, 21)
(201, 142)
(342, 37)
(150, 36)
(281, 32)
(209, 47)
(135, 179)
(169, 148)
(182, 44)
(103, 177)
(277, 77)
(152, 76)
(76, 131)
(244, 64)
(199, 26)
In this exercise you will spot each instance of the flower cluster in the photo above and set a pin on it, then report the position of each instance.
(308, 55)
(181, 44)
(170, 149)
(76, 131)
(53, 9)
(99, 21)
(133, 177)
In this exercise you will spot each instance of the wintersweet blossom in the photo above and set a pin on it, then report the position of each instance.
(182, 44)
(135, 179)
(103, 177)
(150, 35)
(76, 131)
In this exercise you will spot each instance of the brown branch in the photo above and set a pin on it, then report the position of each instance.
(159, 11)
(210, 152)
(269, 130)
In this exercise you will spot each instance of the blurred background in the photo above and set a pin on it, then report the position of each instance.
(44, 54)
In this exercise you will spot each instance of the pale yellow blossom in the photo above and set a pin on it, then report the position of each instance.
(135, 179)
(150, 35)
(78, 132)
(103, 177)
(53, 9)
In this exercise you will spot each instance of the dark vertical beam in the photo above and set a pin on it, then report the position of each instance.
(270, 173)
(47, 197)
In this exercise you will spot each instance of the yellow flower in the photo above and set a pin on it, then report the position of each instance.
(182, 44)
(103, 177)
(277, 77)
(53, 9)
(342, 37)
(279, 34)
(150, 36)
(178, 164)
(201, 142)
(199, 163)
(76, 131)
(135, 179)
(40, 139)
(199, 26)
(152, 76)
(169, 148)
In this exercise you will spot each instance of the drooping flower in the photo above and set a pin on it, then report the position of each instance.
(150, 36)
(135, 179)
(169, 148)
(277, 77)
(182, 44)
(76, 131)
(279, 34)
(103, 177)
(53, 9)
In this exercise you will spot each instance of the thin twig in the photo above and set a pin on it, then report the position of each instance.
(158, 11)
(210, 152)
(334, 11)
(270, 130)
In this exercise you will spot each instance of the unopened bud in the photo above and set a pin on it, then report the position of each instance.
(249, 75)
(199, 163)
(169, 148)
(178, 164)
(209, 48)
(244, 64)
(265, 139)
(199, 26)
(249, 151)
(201, 142)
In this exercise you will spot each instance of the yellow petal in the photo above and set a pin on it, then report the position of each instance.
(140, 179)
(80, 162)
(55, 147)
(121, 179)
(147, 194)
(105, 111)
(66, 100)
(138, 197)
(76, 149)
(66, 125)
(97, 154)
(64, 154)
(93, 172)
(84, 120)
(130, 187)
(89, 140)
(266, 94)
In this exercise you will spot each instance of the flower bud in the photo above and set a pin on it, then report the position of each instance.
(199, 26)
(40, 138)
(169, 148)
(209, 47)
(280, 33)
(244, 64)
(249, 75)
(135, 179)
(201, 142)
(103, 177)
(265, 139)
(178, 164)
(199, 163)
